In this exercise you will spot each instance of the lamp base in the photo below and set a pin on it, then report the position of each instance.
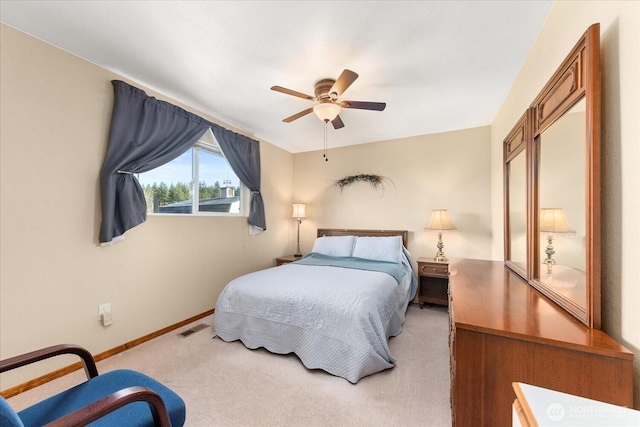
(298, 253)
(549, 251)
(440, 255)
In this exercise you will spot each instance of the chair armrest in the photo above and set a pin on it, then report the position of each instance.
(45, 353)
(110, 403)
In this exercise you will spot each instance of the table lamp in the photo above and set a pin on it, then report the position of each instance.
(440, 222)
(553, 221)
(299, 213)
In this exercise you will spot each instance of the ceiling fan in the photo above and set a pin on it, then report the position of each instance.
(327, 92)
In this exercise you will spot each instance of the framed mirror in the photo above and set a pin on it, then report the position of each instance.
(515, 201)
(562, 195)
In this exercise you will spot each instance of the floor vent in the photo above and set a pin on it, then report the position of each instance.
(193, 329)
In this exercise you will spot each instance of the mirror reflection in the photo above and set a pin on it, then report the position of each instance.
(518, 211)
(562, 189)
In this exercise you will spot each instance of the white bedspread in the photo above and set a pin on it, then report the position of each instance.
(335, 319)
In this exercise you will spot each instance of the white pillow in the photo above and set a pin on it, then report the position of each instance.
(334, 245)
(379, 248)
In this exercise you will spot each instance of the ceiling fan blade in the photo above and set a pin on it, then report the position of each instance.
(298, 115)
(292, 92)
(361, 105)
(337, 123)
(344, 81)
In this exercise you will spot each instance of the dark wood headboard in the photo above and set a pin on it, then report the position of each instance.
(326, 232)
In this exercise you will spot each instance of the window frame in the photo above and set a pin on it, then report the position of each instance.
(208, 144)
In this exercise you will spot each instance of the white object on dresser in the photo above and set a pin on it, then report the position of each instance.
(537, 406)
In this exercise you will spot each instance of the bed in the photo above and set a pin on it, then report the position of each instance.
(335, 308)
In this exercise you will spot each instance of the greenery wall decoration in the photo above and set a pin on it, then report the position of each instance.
(376, 181)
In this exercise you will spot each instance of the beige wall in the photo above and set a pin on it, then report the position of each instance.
(620, 53)
(441, 171)
(55, 115)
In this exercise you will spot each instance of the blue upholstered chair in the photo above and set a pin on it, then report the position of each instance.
(117, 398)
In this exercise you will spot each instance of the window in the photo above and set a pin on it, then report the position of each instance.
(169, 188)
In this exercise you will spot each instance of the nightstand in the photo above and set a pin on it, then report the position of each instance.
(433, 282)
(286, 259)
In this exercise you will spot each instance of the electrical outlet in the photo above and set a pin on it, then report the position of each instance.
(103, 308)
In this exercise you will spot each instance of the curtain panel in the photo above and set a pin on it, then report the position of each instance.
(243, 154)
(146, 133)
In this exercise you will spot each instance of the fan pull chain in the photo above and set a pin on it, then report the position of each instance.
(326, 123)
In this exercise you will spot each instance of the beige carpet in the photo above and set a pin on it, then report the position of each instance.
(225, 384)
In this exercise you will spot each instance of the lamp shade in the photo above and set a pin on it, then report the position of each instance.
(552, 220)
(439, 220)
(326, 111)
(299, 210)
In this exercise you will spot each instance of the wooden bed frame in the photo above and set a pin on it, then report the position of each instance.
(327, 232)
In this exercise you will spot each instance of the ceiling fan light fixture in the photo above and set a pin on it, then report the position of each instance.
(326, 111)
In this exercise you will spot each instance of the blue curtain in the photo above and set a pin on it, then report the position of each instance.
(243, 154)
(146, 133)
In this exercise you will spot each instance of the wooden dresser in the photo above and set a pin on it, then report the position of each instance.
(502, 331)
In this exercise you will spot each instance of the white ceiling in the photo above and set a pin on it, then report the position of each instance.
(439, 65)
